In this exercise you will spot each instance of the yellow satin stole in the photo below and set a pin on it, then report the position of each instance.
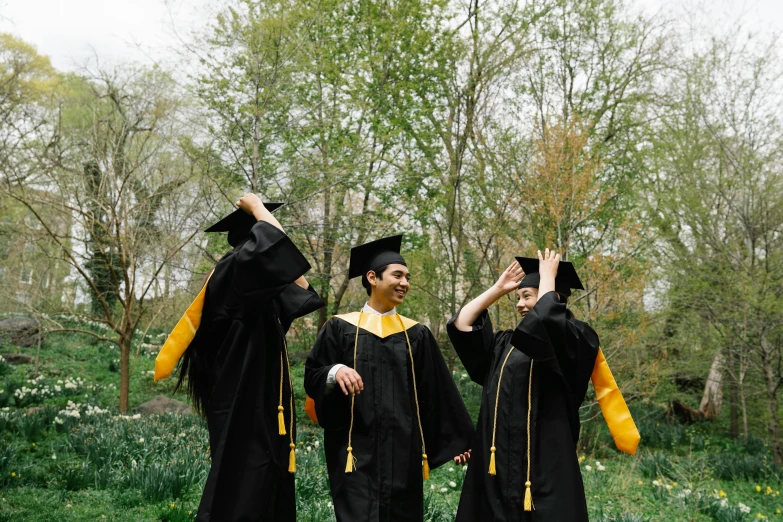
(615, 410)
(180, 337)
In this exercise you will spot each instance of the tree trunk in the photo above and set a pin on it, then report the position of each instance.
(774, 425)
(771, 380)
(712, 400)
(734, 392)
(743, 405)
(328, 256)
(125, 342)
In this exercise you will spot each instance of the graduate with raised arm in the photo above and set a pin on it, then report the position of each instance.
(523, 464)
(382, 393)
(235, 363)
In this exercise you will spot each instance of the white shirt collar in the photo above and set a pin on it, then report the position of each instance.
(370, 310)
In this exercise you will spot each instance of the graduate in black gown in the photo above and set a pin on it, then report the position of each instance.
(524, 466)
(238, 372)
(384, 396)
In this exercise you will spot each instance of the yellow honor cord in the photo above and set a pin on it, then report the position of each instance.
(351, 461)
(425, 467)
(528, 494)
(280, 417)
(492, 468)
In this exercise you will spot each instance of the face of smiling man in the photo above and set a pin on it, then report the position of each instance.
(389, 290)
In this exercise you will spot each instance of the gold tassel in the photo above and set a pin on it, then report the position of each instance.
(292, 458)
(425, 467)
(492, 470)
(349, 462)
(280, 421)
(528, 497)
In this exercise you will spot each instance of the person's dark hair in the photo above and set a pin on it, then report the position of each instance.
(196, 369)
(197, 365)
(378, 273)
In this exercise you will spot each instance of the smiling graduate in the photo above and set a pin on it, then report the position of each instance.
(523, 466)
(384, 396)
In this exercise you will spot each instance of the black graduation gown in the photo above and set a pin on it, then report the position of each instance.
(386, 484)
(250, 303)
(564, 352)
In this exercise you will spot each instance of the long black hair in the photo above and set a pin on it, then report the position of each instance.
(197, 365)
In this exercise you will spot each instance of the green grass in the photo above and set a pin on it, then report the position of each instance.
(103, 466)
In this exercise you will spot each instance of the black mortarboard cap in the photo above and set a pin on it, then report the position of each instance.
(239, 223)
(375, 254)
(566, 279)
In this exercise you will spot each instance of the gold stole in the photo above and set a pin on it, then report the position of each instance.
(615, 411)
(180, 337)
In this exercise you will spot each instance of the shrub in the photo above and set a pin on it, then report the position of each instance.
(7, 463)
(5, 367)
(73, 478)
(34, 425)
(747, 467)
(654, 465)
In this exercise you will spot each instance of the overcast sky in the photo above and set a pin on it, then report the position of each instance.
(74, 31)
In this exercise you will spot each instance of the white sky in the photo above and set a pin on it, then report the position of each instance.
(74, 31)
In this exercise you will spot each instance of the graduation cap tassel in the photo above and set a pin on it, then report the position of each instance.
(425, 465)
(492, 469)
(349, 463)
(528, 497)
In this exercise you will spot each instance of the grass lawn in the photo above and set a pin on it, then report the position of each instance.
(67, 455)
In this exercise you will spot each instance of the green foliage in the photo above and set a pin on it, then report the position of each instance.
(728, 466)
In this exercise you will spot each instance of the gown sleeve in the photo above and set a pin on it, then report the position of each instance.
(295, 302)
(448, 428)
(266, 264)
(475, 348)
(332, 406)
(551, 339)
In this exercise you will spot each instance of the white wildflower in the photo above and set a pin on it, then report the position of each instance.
(588, 468)
(453, 484)
(742, 507)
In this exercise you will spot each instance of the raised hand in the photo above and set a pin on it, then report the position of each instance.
(548, 263)
(252, 205)
(510, 278)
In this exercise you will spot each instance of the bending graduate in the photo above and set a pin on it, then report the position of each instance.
(238, 372)
(384, 396)
(524, 464)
